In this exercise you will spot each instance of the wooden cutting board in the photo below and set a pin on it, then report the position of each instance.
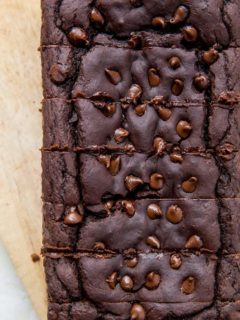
(20, 140)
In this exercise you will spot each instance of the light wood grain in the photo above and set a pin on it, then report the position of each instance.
(20, 140)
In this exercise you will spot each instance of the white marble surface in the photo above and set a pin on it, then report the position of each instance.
(14, 302)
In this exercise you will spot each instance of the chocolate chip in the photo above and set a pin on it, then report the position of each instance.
(120, 134)
(190, 185)
(180, 15)
(115, 164)
(188, 285)
(190, 34)
(109, 205)
(112, 280)
(96, 17)
(133, 182)
(159, 146)
(105, 160)
(132, 263)
(113, 76)
(73, 217)
(183, 129)
(159, 22)
(177, 87)
(174, 214)
(176, 156)
(200, 82)
(99, 246)
(135, 41)
(153, 280)
(137, 312)
(153, 242)
(109, 109)
(154, 211)
(194, 242)
(210, 56)
(134, 93)
(126, 283)
(78, 37)
(156, 181)
(174, 62)
(175, 261)
(140, 109)
(128, 147)
(157, 100)
(164, 113)
(58, 73)
(128, 207)
(153, 77)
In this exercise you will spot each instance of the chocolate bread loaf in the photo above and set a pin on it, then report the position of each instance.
(141, 153)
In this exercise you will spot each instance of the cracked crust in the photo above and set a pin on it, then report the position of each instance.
(215, 21)
(122, 232)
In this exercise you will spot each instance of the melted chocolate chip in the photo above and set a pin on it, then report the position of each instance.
(112, 280)
(158, 100)
(194, 242)
(134, 93)
(73, 217)
(174, 214)
(190, 185)
(164, 113)
(159, 146)
(190, 34)
(180, 15)
(153, 280)
(99, 246)
(58, 73)
(201, 82)
(78, 37)
(109, 205)
(140, 109)
(132, 263)
(120, 134)
(188, 285)
(109, 109)
(153, 77)
(154, 211)
(174, 62)
(177, 87)
(183, 129)
(137, 312)
(96, 17)
(159, 22)
(156, 181)
(175, 261)
(153, 242)
(133, 182)
(128, 207)
(115, 164)
(176, 156)
(135, 41)
(210, 56)
(105, 160)
(126, 283)
(113, 76)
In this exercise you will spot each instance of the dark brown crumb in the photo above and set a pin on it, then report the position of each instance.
(35, 257)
